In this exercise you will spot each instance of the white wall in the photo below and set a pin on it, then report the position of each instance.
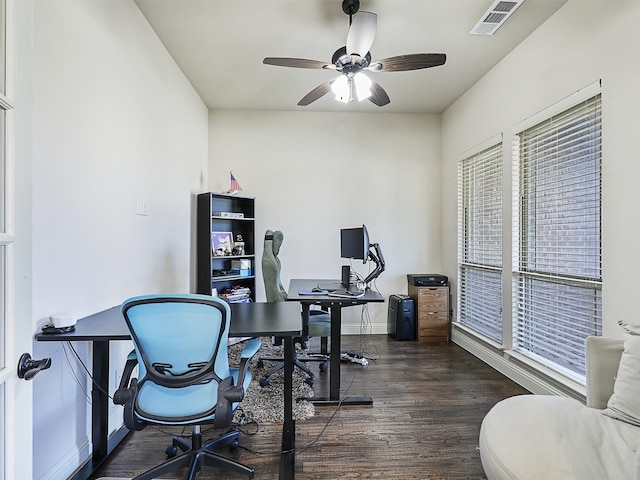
(114, 120)
(314, 173)
(583, 42)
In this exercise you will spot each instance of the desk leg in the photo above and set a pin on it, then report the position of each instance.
(334, 361)
(102, 445)
(100, 401)
(288, 457)
(306, 308)
(334, 371)
(336, 332)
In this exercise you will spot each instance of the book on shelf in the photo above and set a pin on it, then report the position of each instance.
(245, 290)
(228, 214)
(225, 274)
(242, 300)
(236, 295)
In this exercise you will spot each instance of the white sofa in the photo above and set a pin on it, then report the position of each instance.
(540, 437)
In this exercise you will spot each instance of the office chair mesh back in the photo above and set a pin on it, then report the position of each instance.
(177, 342)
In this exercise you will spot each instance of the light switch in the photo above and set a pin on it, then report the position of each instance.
(141, 207)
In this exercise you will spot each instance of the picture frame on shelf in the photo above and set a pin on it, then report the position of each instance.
(222, 243)
(238, 246)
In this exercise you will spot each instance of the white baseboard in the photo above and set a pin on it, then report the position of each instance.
(68, 464)
(375, 329)
(528, 378)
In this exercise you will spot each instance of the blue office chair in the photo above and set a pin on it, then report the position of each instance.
(183, 376)
(319, 324)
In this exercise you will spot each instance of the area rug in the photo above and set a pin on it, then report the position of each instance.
(265, 404)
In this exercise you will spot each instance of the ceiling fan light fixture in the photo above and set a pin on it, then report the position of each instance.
(344, 86)
(363, 86)
(341, 87)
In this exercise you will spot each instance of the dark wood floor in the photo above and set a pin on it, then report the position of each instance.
(429, 401)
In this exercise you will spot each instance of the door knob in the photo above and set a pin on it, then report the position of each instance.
(29, 368)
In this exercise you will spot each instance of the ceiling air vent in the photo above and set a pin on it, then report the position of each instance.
(495, 17)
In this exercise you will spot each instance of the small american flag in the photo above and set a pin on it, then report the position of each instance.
(234, 185)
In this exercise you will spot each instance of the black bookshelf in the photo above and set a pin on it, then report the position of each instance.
(217, 214)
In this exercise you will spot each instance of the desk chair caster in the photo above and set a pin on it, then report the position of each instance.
(229, 439)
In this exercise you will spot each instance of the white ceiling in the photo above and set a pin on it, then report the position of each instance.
(220, 45)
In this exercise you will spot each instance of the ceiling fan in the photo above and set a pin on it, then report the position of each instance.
(354, 59)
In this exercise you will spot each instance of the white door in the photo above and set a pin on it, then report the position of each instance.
(16, 328)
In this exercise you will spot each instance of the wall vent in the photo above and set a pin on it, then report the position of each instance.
(495, 17)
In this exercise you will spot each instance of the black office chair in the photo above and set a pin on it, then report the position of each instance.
(184, 376)
(319, 324)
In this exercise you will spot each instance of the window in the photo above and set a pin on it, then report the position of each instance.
(480, 242)
(557, 282)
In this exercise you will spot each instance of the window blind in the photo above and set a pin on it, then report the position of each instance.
(558, 243)
(480, 242)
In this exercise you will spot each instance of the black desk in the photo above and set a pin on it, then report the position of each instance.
(247, 320)
(335, 306)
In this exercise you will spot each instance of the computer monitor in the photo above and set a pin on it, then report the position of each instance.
(354, 243)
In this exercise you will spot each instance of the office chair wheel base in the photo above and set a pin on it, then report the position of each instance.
(171, 451)
(324, 366)
(309, 381)
(234, 445)
(264, 382)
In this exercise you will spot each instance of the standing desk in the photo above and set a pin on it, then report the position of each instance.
(335, 306)
(247, 320)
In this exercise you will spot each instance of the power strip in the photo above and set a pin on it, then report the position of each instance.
(349, 358)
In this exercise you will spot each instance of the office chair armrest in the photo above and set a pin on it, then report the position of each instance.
(224, 406)
(228, 393)
(251, 348)
(248, 352)
(126, 393)
(123, 393)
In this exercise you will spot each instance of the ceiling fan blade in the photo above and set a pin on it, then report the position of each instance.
(361, 33)
(378, 95)
(316, 93)
(414, 61)
(296, 62)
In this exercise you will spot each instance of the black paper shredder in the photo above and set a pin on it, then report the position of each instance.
(401, 322)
